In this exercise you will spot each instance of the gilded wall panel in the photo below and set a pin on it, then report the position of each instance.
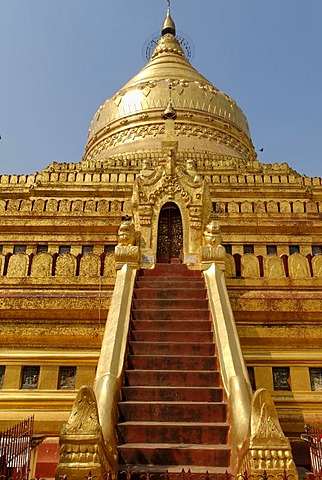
(109, 266)
(259, 207)
(65, 265)
(13, 205)
(272, 207)
(273, 267)
(18, 265)
(285, 206)
(298, 266)
(246, 207)
(220, 207)
(52, 205)
(233, 207)
(90, 206)
(317, 266)
(25, 206)
(77, 206)
(38, 206)
(230, 270)
(311, 207)
(102, 207)
(116, 207)
(41, 265)
(90, 266)
(2, 262)
(298, 207)
(249, 266)
(64, 205)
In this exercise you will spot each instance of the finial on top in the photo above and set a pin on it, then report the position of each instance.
(168, 24)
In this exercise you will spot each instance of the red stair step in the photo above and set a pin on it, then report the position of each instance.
(170, 314)
(166, 270)
(172, 414)
(150, 362)
(165, 293)
(173, 411)
(165, 348)
(185, 325)
(175, 336)
(170, 284)
(171, 394)
(190, 433)
(177, 378)
(170, 303)
(165, 454)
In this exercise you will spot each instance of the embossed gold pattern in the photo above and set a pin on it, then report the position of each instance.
(82, 447)
(134, 112)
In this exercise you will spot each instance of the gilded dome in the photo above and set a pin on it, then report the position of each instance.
(133, 118)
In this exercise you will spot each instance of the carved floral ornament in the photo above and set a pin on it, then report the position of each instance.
(142, 131)
(168, 188)
(175, 83)
(158, 184)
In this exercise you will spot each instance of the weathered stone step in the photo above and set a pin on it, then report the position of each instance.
(172, 415)
(173, 348)
(165, 454)
(175, 336)
(169, 292)
(174, 378)
(171, 394)
(172, 411)
(170, 314)
(151, 362)
(157, 432)
(170, 284)
(184, 325)
(167, 270)
(170, 303)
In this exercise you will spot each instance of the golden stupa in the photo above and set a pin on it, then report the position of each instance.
(169, 175)
(132, 119)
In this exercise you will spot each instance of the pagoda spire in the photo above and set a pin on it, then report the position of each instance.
(168, 24)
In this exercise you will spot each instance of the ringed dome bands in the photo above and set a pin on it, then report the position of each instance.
(204, 114)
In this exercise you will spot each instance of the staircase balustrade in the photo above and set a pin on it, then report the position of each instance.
(257, 440)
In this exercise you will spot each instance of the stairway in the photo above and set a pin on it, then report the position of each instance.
(172, 414)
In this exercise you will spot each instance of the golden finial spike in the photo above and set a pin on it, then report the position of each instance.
(168, 24)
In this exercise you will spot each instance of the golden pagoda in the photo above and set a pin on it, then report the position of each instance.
(169, 176)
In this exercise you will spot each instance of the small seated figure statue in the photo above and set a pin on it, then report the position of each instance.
(212, 240)
(126, 232)
(146, 168)
(192, 171)
(212, 235)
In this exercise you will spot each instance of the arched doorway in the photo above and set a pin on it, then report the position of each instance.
(170, 234)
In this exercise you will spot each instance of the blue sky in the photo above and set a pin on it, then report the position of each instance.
(60, 59)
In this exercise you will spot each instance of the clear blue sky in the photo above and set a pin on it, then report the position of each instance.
(60, 59)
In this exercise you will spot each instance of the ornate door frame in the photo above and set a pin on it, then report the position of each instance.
(170, 234)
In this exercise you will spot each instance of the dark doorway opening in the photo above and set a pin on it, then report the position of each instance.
(170, 234)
